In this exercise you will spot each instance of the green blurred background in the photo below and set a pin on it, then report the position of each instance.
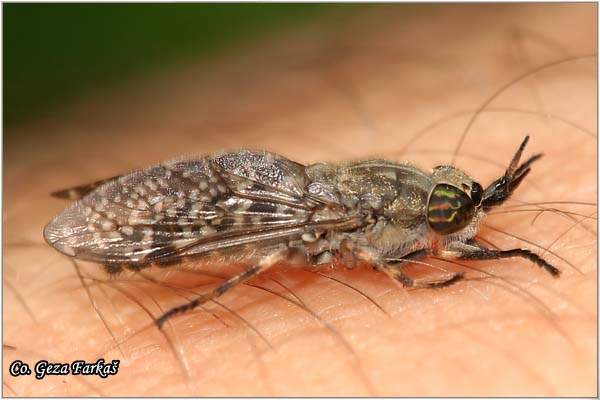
(56, 52)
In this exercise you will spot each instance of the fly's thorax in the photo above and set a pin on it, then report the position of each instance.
(389, 237)
(393, 195)
(371, 184)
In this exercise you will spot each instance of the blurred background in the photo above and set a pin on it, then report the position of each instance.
(54, 53)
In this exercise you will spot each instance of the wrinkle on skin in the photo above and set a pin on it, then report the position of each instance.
(406, 72)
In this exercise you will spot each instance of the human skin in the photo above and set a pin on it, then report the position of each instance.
(356, 88)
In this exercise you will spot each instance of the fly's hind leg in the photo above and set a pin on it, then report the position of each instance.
(256, 269)
(393, 267)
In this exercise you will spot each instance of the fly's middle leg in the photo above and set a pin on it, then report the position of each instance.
(249, 273)
(393, 268)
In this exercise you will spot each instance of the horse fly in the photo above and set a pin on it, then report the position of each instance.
(263, 209)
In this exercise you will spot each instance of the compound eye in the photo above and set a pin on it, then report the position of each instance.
(449, 209)
(476, 193)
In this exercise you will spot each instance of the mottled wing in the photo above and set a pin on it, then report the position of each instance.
(191, 206)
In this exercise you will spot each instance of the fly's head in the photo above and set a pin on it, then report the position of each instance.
(454, 203)
(457, 202)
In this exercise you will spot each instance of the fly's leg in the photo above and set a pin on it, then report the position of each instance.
(437, 284)
(393, 268)
(475, 251)
(261, 266)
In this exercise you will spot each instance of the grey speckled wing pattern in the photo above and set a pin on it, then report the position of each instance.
(191, 206)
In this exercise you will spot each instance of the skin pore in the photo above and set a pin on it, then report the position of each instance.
(357, 87)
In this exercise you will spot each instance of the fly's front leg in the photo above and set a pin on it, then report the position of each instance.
(261, 266)
(393, 268)
(475, 251)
